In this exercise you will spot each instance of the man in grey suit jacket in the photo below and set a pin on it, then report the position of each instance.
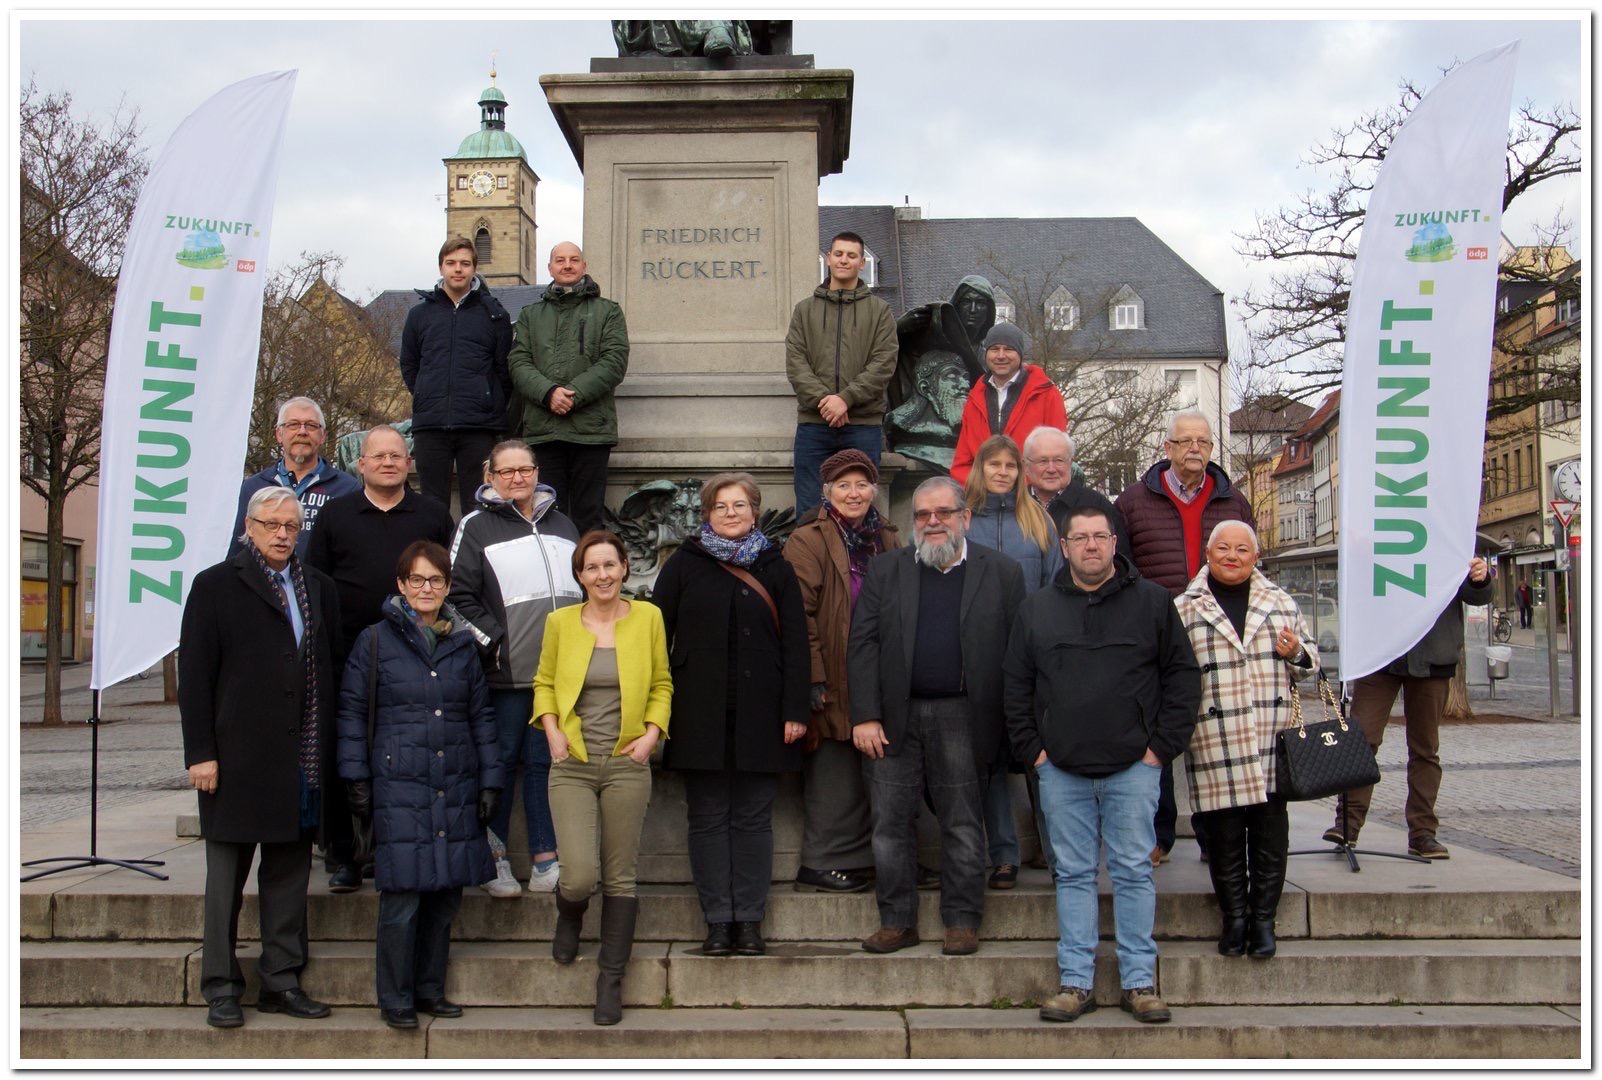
(928, 636)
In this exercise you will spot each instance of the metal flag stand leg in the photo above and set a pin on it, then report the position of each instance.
(79, 862)
(1346, 847)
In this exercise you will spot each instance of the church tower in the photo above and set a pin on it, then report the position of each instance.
(489, 191)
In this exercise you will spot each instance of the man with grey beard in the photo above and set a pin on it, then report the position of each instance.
(928, 636)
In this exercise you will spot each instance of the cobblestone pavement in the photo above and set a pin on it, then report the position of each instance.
(1509, 789)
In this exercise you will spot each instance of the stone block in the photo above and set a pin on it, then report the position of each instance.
(71, 973)
(157, 1033)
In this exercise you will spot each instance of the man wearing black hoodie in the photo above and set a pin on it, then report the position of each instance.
(1100, 690)
(453, 358)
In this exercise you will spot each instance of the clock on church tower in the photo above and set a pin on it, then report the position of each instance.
(489, 196)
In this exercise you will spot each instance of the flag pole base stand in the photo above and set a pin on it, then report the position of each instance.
(85, 862)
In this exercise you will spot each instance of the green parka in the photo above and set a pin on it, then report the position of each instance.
(574, 338)
(841, 341)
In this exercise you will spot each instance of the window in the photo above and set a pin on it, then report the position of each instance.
(1568, 309)
(870, 268)
(500, 182)
(1182, 385)
(461, 183)
(1126, 317)
(1006, 310)
(481, 245)
(1062, 310)
(1119, 380)
(1518, 469)
(1503, 303)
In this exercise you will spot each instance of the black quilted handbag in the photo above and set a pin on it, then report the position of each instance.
(1317, 760)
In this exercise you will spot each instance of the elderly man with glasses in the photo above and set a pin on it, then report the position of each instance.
(1169, 513)
(301, 432)
(924, 673)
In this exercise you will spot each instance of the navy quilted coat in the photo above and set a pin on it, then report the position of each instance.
(434, 747)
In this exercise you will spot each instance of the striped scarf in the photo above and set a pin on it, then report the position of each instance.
(309, 750)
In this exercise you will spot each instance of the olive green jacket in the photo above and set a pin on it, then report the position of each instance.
(575, 339)
(841, 341)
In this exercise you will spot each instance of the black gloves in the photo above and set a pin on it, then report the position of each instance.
(489, 801)
(359, 794)
(818, 697)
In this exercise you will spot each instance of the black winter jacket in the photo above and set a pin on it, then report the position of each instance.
(713, 620)
(1096, 678)
(434, 747)
(453, 358)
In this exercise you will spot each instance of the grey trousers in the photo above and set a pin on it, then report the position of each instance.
(838, 834)
(281, 885)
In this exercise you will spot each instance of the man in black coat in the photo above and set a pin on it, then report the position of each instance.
(258, 697)
(927, 639)
(453, 358)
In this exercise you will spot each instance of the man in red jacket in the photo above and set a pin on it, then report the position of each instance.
(1014, 399)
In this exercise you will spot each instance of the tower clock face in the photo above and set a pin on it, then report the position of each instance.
(482, 183)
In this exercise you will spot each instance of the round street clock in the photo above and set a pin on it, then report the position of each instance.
(1566, 481)
(482, 183)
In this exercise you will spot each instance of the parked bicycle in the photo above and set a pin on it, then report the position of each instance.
(1502, 626)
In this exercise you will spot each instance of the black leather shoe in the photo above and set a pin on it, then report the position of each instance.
(224, 1012)
(1260, 941)
(719, 941)
(1232, 940)
(439, 1007)
(840, 881)
(927, 878)
(400, 1018)
(346, 879)
(292, 1002)
(748, 939)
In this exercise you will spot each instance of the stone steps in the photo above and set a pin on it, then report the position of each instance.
(142, 911)
(811, 975)
(1261, 1032)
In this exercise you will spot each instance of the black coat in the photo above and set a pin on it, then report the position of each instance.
(453, 358)
(885, 625)
(712, 617)
(434, 746)
(1095, 679)
(241, 681)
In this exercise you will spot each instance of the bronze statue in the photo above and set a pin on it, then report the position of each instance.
(713, 38)
(941, 347)
(656, 517)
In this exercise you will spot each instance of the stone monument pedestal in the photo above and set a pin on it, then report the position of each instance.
(701, 220)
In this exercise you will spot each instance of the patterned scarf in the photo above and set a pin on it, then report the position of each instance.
(309, 750)
(862, 542)
(741, 553)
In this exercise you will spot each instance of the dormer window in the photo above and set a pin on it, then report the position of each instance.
(1006, 310)
(1126, 310)
(870, 268)
(1062, 310)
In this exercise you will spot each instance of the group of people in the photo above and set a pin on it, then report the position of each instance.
(363, 671)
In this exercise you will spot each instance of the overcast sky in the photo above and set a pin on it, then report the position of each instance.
(1190, 126)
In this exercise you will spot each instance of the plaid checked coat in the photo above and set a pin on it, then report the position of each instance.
(1245, 699)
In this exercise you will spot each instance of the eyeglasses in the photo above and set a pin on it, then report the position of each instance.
(943, 515)
(301, 425)
(276, 527)
(731, 508)
(522, 472)
(384, 459)
(1081, 539)
(418, 581)
(1059, 462)
(1199, 444)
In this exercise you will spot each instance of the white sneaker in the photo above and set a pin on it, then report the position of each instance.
(505, 886)
(545, 880)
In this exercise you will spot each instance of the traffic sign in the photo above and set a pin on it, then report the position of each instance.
(1564, 509)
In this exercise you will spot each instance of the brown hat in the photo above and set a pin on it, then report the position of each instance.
(843, 461)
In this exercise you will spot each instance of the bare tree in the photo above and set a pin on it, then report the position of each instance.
(80, 181)
(1312, 243)
(317, 343)
(1118, 402)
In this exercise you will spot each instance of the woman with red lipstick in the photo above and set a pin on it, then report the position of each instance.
(1248, 635)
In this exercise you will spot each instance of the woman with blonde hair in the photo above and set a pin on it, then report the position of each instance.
(1007, 519)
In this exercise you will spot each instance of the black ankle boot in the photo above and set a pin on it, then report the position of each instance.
(1232, 941)
(569, 920)
(1260, 942)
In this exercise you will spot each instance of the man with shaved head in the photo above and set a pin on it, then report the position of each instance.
(571, 351)
(359, 537)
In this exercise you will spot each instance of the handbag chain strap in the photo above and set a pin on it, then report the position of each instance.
(1331, 702)
(1296, 709)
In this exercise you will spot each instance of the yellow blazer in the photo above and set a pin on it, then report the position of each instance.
(645, 681)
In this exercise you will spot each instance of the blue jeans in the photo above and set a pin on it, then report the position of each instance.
(523, 741)
(815, 444)
(1001, 832)
(1081, 814)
